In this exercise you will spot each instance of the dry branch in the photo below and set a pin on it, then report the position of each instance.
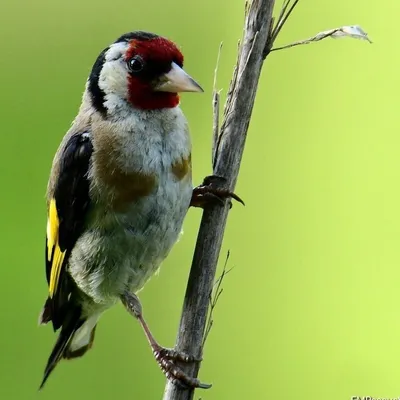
(229, 147)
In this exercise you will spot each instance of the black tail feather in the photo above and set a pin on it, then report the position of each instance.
(46, 313)
(69, 327)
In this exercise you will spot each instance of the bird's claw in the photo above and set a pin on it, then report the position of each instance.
(174, 355)
(166, 359)
(211, 192)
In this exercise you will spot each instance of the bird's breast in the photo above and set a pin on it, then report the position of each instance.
(140, 157)
(118, 184)
(141, 189)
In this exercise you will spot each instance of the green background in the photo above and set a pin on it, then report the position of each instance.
(311, 309)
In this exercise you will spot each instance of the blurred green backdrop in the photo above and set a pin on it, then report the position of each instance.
(311, 310)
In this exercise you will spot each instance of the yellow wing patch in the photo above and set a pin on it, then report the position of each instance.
(52, 243)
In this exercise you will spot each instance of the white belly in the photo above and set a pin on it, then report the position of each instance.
(123, 251)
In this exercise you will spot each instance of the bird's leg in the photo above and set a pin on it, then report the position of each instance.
(165, 357)
(211, 192)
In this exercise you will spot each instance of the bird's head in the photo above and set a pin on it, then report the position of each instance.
(140, 69)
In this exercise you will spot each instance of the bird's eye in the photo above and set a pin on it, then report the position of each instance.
(136, 64)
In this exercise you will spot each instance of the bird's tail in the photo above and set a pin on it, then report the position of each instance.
(75, 338)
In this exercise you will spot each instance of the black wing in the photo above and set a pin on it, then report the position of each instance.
(67, 211)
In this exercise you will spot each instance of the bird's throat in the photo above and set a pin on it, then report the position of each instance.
(142, 96)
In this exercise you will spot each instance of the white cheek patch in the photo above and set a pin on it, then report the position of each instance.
(113, 78)
(116, 50)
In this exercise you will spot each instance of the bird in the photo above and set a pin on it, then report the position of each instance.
(119, 189)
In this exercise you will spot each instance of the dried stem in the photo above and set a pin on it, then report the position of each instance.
(215, 106)
(283, 17)
(228, 155)
(353, 31)
(214, 297)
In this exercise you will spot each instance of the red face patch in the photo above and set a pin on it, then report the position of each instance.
(158, 50)
(157, 54)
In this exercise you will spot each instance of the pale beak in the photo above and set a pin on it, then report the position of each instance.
(177, 80)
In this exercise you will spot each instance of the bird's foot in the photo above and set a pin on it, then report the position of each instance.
(167, 358)
(210, 192)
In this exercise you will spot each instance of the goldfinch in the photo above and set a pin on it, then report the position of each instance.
(119, 189)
